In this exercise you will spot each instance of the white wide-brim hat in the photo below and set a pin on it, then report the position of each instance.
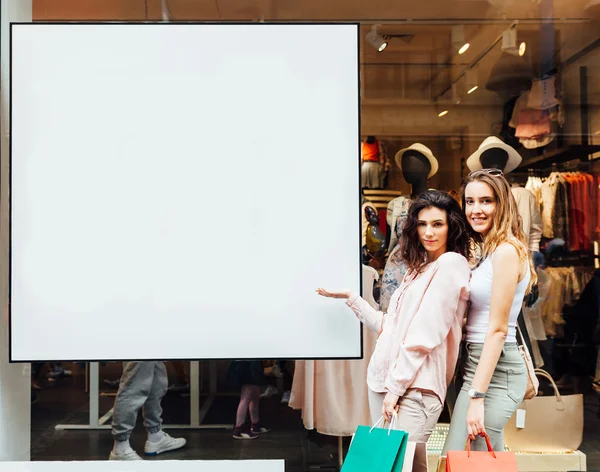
(514, 158)
(423, 150)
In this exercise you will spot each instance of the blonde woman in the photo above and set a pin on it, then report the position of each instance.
(494, 373)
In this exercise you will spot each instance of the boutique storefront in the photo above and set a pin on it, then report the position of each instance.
(446, 88)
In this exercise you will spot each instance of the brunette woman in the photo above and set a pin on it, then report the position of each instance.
(419, 336)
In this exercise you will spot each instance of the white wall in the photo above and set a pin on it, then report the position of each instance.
(15, 412)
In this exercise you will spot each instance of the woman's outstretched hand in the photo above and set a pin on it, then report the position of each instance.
(341, 294)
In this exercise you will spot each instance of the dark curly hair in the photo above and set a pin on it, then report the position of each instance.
(411, 250)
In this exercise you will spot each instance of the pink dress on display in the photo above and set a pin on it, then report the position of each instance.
(332, 394)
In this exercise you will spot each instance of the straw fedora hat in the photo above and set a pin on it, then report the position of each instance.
(514, 158)
(421, 148)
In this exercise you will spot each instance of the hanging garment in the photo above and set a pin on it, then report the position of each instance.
(561, 289)
(536, 127)
(543, 94)
(560, 216)
(566, 286)
(534, 185)
(530, 216)
(376, 152)
(533, 319)
(395, 269)
(332, 394)
(396, 208)
(533, 314)
(393, 273)
(370, 151)
(372, 175)
(548, 192)
(533, 124)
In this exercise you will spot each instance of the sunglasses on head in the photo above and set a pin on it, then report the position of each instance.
(486, 171)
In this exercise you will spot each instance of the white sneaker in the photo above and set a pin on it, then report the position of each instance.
(129, 455)
(166, 444)
(269, 392)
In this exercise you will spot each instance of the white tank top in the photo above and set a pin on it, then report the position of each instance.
(478, 318)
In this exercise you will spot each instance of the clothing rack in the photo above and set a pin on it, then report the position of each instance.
(573, 165)
(582, 262)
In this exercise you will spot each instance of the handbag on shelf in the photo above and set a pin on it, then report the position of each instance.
(533, 384)
(552, 424)
(379, 449)
(480, 461)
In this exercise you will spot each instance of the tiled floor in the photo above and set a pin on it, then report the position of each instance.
(66, 402)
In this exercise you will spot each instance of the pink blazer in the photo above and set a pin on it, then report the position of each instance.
(420, 334)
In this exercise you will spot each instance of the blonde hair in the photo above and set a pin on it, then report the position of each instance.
(507, 223)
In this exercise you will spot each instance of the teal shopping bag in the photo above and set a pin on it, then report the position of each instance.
(376, 449)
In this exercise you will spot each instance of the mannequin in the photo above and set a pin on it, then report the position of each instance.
(494, 158)
(415, 170)
(417, 164)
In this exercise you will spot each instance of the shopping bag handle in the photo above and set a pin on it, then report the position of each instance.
(487, 441)
(381, 421)
(560, 406)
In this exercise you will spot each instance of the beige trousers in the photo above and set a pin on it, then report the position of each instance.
(418, 414)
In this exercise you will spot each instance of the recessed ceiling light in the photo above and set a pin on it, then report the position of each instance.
(464, 48)
(471, 90)
(443, 113)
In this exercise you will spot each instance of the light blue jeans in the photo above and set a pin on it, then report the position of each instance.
(505, 393)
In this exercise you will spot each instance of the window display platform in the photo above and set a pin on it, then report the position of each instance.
(148, 466)
(65, 401)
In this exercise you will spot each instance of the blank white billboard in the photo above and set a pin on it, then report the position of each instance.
(179, 191)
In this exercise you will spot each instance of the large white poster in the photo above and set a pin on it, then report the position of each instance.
(179, 191)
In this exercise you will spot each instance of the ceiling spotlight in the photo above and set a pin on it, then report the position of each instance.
(458, 39)
(376, 40)
(440, 109)
(472, 80)
(522, 48)
(456, 98)
(509, 43)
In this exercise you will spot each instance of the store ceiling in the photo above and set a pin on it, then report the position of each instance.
(416, 70)
(293, 10)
